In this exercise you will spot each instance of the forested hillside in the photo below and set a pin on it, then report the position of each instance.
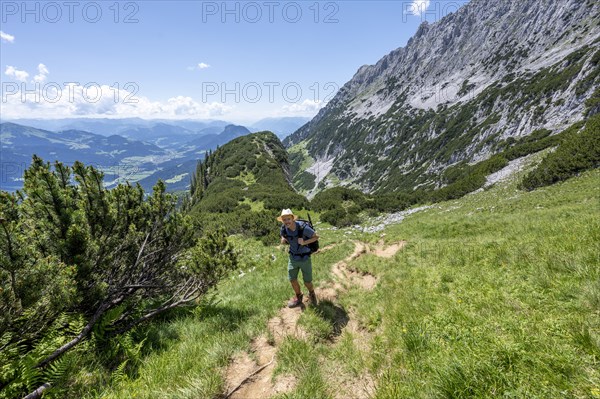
(242, 187)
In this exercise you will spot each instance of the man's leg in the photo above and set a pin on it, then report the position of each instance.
(296, 300)
(306, 267)
(307, 277)
(296, 287)
(293, 277)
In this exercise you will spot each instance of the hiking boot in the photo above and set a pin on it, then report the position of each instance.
(313, 298)
(295, 301)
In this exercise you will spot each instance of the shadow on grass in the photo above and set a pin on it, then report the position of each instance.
(333, 314)
(224, 317)
(164, 330)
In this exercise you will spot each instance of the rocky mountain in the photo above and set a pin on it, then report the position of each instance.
(460, 90)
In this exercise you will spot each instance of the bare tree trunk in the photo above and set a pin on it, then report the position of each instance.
(84, 333)
(150, 315)
(38, 392)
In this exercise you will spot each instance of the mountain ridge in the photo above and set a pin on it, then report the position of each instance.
(449, 88)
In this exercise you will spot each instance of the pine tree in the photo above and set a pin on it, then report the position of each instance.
(70, 246)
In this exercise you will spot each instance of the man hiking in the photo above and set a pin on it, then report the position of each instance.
(299, 255)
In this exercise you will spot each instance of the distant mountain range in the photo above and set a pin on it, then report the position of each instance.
(120, 158)
(154, 129)
(282, 127)
(169, 136)
(131, 149)
(211, 141)
(113, 154)
(109, 126)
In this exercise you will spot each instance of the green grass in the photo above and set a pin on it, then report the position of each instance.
(301, 358)
(495, 295)
(306, 160)
(246, 177)
(185, 355)
(255, 206)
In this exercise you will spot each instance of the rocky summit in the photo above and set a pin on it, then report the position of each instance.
(461, 90)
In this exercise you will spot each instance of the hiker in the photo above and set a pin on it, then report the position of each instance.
(299, 255)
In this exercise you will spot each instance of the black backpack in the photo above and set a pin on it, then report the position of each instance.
(313, 246)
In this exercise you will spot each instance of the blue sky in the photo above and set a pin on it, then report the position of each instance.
(238, 61)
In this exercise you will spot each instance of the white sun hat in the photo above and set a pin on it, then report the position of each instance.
(286, 212)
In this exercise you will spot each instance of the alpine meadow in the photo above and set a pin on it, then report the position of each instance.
(151, 234)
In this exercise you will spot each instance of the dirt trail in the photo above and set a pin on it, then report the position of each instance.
(252, 379)
(387, 252)
(249, 378)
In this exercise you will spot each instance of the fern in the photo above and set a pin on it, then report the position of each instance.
(57, 369)
(104, 325)
(29, 375)
(19, 373)
(120, 375)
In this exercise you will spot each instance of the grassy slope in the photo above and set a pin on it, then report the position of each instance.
(496, 295)
(192, 350)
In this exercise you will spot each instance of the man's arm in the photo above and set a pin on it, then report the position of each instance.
(314, 238)
(283, 243)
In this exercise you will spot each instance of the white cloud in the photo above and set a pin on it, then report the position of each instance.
(201, 65)
(60, 101)
(42, 73)
(305, 108)
(186, 106)
(15, 73)
(418, 7)
(23, 75)
(6, 37)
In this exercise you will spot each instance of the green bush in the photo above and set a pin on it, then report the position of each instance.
(395, 202)
(336, 196)
(592, 104)
(577, 152)
(305, 181)
(227, 202)
(348, 220)
(340, 217)
(81, 266)
(459, 188)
